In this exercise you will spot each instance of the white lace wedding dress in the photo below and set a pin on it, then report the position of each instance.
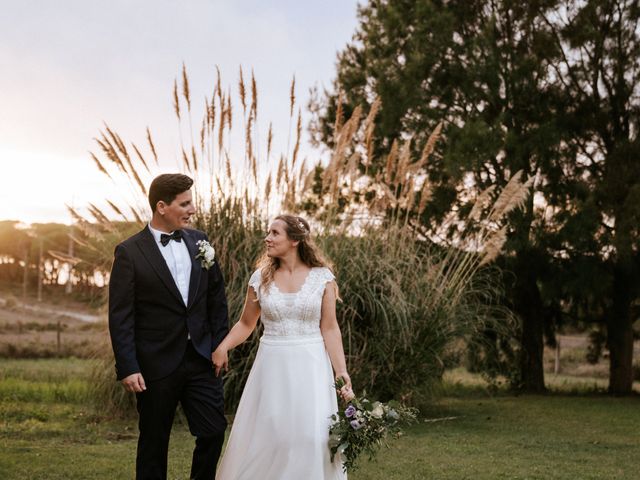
(281, 427)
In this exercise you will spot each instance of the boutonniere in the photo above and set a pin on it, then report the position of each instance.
(206, 252)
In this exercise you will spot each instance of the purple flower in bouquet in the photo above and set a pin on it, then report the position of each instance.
(355, 424)
(350, 411)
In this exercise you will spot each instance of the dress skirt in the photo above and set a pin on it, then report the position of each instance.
(281, 427)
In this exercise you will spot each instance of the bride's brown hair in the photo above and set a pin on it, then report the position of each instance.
(297, 229)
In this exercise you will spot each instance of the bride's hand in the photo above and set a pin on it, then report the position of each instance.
(220, 359)
(346, 391)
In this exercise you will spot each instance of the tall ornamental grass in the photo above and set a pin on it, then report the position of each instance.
(413, 302)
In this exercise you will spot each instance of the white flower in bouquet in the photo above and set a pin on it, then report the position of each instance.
(377, 411)
(207, 253)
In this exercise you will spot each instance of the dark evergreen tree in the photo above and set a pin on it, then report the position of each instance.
(549, 87)
(482, 68)
(599, 74)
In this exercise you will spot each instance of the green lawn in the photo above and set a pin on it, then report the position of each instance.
(49, 430)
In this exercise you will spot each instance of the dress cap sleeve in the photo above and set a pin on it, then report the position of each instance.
(326, 275)
(255, 281)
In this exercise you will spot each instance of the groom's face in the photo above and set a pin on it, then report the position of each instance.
(177, 214)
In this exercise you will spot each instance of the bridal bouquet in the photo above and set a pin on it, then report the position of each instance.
(363, 426)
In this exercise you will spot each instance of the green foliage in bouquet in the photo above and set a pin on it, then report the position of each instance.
(364, 426)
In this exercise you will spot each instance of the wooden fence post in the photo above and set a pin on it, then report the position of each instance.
(58, 331)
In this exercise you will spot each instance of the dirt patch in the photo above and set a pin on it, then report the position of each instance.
(40, 330)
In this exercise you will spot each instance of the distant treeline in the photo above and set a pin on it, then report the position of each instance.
(45, 257)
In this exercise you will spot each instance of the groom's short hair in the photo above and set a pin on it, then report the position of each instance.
(166, 187)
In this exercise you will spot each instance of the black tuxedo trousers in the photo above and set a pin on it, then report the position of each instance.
(194, 385)
(154, 333)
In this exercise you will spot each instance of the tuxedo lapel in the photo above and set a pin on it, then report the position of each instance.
(196, 267)
(151, 252)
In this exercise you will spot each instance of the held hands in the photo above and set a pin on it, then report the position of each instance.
(134, 383)
(220, 359)
(346, 390)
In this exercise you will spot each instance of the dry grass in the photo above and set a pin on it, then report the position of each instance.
(425, 288)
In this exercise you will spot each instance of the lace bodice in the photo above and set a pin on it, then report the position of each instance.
(292, 314)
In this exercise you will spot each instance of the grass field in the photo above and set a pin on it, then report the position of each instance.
(49, 429)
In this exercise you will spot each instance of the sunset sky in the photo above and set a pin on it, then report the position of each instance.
(69, 66)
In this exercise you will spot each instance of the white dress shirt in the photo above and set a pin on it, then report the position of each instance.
(176, 254)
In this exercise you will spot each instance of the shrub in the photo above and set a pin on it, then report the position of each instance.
(411, 305)
(11, 302)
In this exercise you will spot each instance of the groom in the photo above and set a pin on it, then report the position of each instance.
(167, 314)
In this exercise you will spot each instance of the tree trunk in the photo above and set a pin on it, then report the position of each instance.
(69, 286)
(25, 274)
(620, 332)
(531, 362)
(528, 304)
(40, 269)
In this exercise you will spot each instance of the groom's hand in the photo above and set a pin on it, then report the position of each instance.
(220, 359)
(134, 383)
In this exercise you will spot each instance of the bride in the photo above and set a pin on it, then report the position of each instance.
(281, 427)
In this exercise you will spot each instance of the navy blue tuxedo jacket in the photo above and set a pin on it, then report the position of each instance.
(148, 320)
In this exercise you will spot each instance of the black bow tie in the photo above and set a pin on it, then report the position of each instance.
(165, 238)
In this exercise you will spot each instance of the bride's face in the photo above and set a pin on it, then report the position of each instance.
(278, 243)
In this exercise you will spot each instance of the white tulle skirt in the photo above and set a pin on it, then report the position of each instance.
(281, 427)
